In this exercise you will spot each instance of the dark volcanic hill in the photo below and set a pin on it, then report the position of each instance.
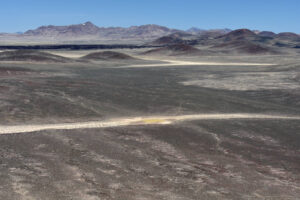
(240, 34)
(174, 50)
(288, 36)
(244, 41)
(107, 55)
(167, 40)
(244, 47)
(32, 56)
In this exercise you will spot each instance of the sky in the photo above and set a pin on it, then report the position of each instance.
(272, 15)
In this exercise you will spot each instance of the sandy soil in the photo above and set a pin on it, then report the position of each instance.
(137, 121)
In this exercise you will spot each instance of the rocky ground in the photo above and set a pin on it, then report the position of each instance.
(197, 159)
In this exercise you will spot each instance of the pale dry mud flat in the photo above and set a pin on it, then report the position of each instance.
(153, 158)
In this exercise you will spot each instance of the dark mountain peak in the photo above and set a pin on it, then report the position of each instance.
(167, 40)
(241, 32)
(288, 36)
(244, 46)
(267, 34)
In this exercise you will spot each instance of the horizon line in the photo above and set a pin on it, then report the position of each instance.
(253, 30)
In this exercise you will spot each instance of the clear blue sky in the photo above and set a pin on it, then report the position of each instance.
(274, 15)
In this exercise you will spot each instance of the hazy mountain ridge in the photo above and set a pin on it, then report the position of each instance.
(149, 31)
(88, 28)
(73, 30)
(151, 34)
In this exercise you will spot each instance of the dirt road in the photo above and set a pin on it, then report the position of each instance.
(138, 121)
(187, 63)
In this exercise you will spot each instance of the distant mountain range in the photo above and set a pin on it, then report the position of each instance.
(241, 41)
(145, 34)
(89, 29)
(150, 31)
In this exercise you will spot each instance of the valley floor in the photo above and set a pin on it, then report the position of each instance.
(206, 131)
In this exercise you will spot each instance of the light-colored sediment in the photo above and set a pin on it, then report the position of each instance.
(187, 63)
(243, 81)
(138, 121)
